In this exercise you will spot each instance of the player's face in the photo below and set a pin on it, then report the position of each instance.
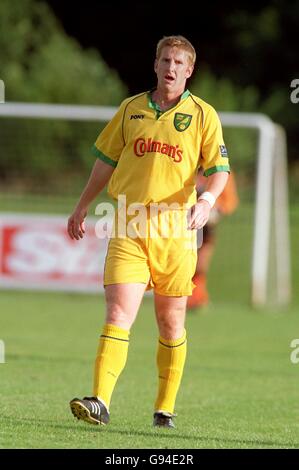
(172, 69)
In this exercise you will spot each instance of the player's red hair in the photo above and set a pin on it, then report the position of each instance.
(177, 41)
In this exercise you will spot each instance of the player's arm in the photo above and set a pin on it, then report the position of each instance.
(201, 210)
(107, 148)
(214, 160)
(98, 179)
(216, 183)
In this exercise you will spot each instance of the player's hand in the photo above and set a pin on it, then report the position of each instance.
(75, 224)
(198, 215)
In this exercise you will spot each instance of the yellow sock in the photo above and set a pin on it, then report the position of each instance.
(110, 361)
(170, 360)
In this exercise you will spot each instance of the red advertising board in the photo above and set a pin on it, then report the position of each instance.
(37, 253)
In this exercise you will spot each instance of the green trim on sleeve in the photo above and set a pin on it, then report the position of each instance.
(103, 157)
(215, 169)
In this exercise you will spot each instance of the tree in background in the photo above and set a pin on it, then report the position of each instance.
(241, 143)
(39, 62)
(225, 95)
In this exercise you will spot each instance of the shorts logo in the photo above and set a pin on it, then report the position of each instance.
(223, 151)
(182, 121)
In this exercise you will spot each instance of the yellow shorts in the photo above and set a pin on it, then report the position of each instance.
(159, 252)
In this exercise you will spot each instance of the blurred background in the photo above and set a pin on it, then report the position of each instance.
(98, 53)
(240, 382)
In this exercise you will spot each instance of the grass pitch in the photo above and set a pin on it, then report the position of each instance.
(239, 390)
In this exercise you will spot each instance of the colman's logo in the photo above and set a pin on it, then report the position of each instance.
(143, 146)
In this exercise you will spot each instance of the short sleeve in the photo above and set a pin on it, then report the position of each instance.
(110, 143)
(214, 156)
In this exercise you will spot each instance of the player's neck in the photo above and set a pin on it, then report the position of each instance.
(166, 99)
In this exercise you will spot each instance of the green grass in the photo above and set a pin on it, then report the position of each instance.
(43, 204)
(239, 389)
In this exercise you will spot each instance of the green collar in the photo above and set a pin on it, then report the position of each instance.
(152, 104)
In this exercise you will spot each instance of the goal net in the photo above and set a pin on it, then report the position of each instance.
(46, 159)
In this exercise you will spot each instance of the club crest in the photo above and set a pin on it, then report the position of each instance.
(182, 121)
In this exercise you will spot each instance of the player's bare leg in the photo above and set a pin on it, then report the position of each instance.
(122, 304)
(170, 315)
(171, 355)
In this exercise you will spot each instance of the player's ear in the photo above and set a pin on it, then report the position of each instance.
(156, 65)
(189, 71)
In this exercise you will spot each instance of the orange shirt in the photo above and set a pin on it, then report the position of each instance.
(228, 200)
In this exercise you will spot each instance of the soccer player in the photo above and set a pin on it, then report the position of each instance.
(150, 153)
(226, 204)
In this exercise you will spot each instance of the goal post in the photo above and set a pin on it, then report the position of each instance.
(271, 197)
(271, 185)
(281, 218)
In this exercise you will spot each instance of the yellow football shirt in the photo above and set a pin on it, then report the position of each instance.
(157, 154)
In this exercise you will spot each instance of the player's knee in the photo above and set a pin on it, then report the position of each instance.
(116, 315)
(171, 326)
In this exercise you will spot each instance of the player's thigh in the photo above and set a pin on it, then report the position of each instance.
(126, 262)
(123, 302)
(170, 314)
